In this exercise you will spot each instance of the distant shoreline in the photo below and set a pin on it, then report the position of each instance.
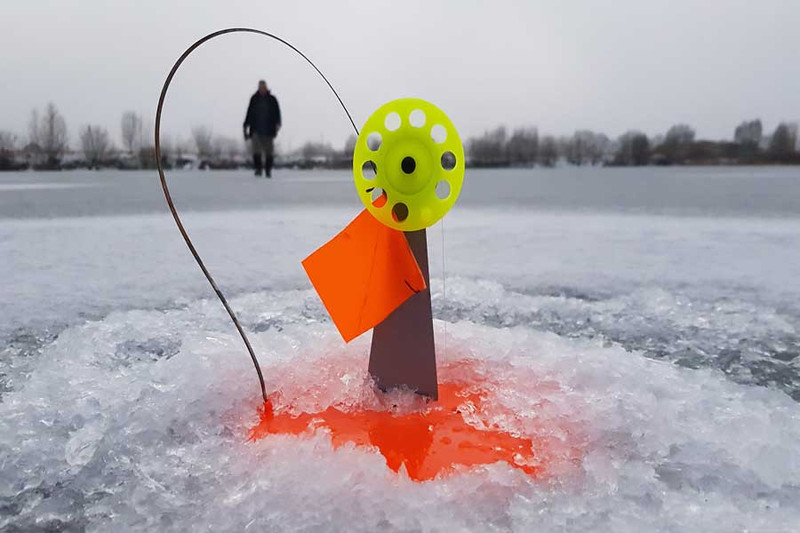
(323, 167)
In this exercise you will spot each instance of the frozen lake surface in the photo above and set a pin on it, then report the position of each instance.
(651, 315)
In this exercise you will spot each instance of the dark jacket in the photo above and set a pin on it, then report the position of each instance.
(263, 115)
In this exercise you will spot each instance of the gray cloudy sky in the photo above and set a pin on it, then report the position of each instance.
(559, 65)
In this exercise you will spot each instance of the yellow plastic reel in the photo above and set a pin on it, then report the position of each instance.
(408, 164)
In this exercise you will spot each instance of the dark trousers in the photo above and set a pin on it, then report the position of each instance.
(265, 164)
(262, 153)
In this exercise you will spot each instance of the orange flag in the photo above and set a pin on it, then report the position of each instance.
(363, 274)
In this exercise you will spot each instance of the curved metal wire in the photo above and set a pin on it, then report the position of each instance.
(168, 196)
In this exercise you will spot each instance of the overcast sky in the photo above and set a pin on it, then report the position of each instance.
(608, 66)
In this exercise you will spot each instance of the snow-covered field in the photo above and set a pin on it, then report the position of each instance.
(663, 344)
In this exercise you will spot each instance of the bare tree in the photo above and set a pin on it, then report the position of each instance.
(585, 147)
(147, 156)
(49, 134)
(578, 147)
(167, 148)
(233, 149)
(633, 149)
(490, 148)
(522, 146)
(749, 133)
(8, 146)
(548, 151)
(203, 141)
(131, 126)
(8, 141)
(227, 147)
(782, 145)
(679, 134)
(599, 148)
(748, 136)
(793, 134)
(182, 147)
(95, 143)
(677, 145)
(350, 146)
(313, 149)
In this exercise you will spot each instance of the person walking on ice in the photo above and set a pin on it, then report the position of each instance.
(261, 125)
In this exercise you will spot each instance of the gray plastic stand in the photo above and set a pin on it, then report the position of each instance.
(403, 351)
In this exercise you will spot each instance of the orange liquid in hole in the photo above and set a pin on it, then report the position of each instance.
(434, 441)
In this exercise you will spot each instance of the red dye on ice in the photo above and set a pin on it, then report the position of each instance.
(430, 442)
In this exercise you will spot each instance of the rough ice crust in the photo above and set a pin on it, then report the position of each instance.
(138, 421)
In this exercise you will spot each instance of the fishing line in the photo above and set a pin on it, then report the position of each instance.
(168, 196)
(444, 293)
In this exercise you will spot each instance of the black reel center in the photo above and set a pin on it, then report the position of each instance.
(408, 164)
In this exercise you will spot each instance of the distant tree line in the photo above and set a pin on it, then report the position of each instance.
(526, 147)
(47, 147)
